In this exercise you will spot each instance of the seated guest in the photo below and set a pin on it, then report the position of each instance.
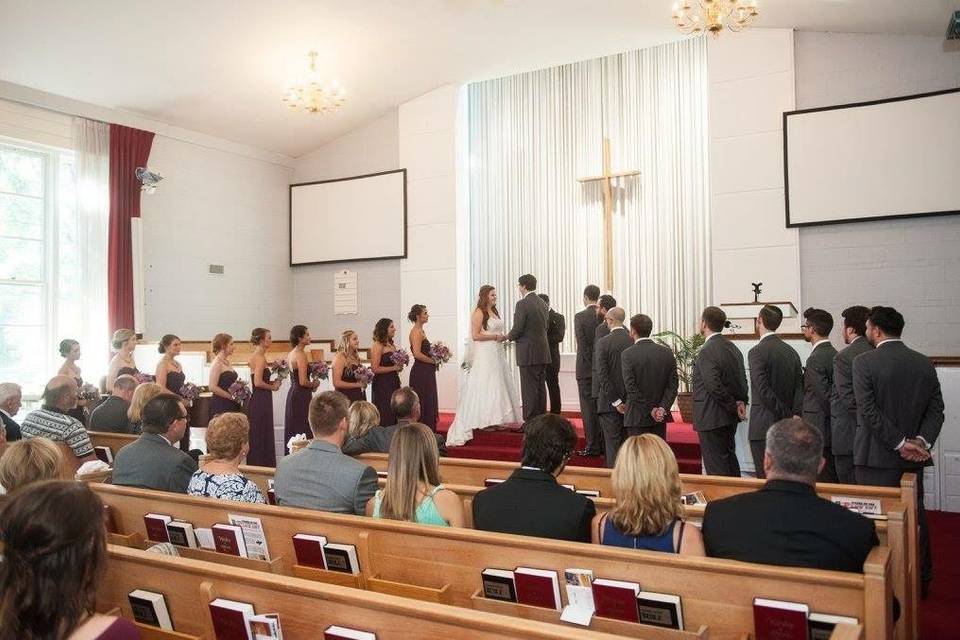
(111, 414)
(363, 416)
(228, 442)
(786, 522)
(10, 399)
(648, 514)
(27, 461)
(320, 476)
(51, 420)
(531, 502)
(53, 557)
(405, 405)
(413, 491)
(153, 461)
(143, 394)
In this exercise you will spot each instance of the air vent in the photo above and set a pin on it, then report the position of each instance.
(217, 269)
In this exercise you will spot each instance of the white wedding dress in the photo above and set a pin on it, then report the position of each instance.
(488, 390)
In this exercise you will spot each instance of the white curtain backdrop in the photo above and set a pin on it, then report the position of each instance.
(532, 135)
(91, 144)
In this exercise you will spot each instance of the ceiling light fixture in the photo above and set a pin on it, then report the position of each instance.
(311, 94)
(713, 16)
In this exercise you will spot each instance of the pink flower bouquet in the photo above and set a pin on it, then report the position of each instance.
(189, 391)
(239, 392)
(400, 358)
(364, 374)
(440, 353)
(280, 370)
(318, 371)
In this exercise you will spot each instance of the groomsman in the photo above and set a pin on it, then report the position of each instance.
(584, 329)
(604, 305)
(899, 415)
(719, 396)
(556, 330)
(843, 404)
(650, 381)
(776, 382)
(533, 352)
(818, 383)
(608, 374)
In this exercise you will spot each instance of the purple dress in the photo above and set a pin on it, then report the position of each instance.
(263, 449)
(382, 387)
(220, 405)
(423, 380)
(298, 408)
(350, 375)
(173, 383)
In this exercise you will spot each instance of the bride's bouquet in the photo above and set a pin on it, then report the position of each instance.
(400, 358)
(440, 353)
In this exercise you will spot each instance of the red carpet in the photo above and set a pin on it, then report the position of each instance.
(938, 612)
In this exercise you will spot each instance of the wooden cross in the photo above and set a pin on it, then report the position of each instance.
(607, 179)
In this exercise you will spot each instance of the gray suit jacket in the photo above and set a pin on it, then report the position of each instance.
(776, 384)
(111, 415)
(843, 405)
(320, 477)
(898, 396)
(150, 462)
(584, 329)
(608, 370)
(817, 389)
(719, 382)
(650, 380)
(530, 320)
(601, 331)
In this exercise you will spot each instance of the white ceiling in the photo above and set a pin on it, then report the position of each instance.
(218, 66)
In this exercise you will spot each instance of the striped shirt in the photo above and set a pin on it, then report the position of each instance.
(59, 427)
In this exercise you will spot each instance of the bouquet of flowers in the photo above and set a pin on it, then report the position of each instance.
(440, 353)
(189, 391)
(297, 442)
(88, 392)
(364, 375)
(318, 371)
(280, 370)
(239, 391)
(400, 358)
(143, 378)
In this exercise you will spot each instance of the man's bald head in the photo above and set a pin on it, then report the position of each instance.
(61, 393)
(616, 316)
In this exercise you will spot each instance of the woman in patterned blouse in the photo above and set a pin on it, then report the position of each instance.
(228, 441)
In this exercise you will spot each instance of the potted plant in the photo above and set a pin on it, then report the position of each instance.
(685, 351)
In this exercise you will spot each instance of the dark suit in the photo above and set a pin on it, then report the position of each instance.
(817, 389)
(556, 330)
(898, 396)
(11, 426)
(585, 329)
(608, 375)
(776, 390)
(150, 462)
(601, 331)
(843, 410)
(719, 382)
(378, 439)
(111, 415)
(531, 503)
(533, 352)
(650, 380)
(786, 523)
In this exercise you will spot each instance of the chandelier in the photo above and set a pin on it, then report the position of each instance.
(697, 16)
(311, 94)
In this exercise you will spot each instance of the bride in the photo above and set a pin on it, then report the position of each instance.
(488, 394)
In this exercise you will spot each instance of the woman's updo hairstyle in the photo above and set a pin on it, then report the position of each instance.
(297, 333)
(257, 335)
(220, 342)
(415, 312)
(67, 345)
(165, 342)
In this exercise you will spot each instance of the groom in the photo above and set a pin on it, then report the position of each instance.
(530, 320)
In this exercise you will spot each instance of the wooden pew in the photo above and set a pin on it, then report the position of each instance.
(422, 561)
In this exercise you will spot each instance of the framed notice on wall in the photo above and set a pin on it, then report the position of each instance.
(346, 293)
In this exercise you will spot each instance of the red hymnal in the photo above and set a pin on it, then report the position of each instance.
(231, 619)
(228, 538)
(537, 587)
(156, 524)
(309, 550)
(779, 620)
(616, 599)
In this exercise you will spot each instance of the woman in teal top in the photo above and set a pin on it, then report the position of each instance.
(413, 492)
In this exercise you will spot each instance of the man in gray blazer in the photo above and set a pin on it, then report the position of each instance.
(604, 304)
(719, 396)
(154, 460)
(320, 476)
(530, 320)
(843, 404)
(776, 382)
(608, 372)
(405, 404)
(650, 381)
(818, 382)
(585, 324)
(899, 415)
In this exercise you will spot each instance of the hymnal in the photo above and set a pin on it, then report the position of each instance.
(660, 609)
(590, 493)
(499, 584)
(253, 536)
(693, 498)
(309, 550)
(863, 506)
(537, 587)
(491, 482)
(181, 534)
(231, 619)
(779, 620)
(271, 492)
(616, 599)
(156, 524)
(579, 588)
(334, 632)
(341, 557)
(105, 454)
(150, 607)
(822, 624)
(205, 538)
(228, 538)
(569, 486)
(266, 627)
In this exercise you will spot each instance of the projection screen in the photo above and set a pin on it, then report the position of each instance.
(349, 219)
(875, 160)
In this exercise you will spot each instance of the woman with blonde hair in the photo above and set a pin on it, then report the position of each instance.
(648, 514)
(143, 394)
(32, 460)
(413, 491)
(124, 341)
(228, 442)
(345, 366)
(363, 416)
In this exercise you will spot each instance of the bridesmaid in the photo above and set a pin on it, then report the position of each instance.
(386, 377)
(70, 350)
(301, 388)
(170, 375)
(345, 367)
(222, 375)
(124, 341)
(423, 373)
(263, 448)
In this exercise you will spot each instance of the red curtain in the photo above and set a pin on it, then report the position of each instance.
(129, 149)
